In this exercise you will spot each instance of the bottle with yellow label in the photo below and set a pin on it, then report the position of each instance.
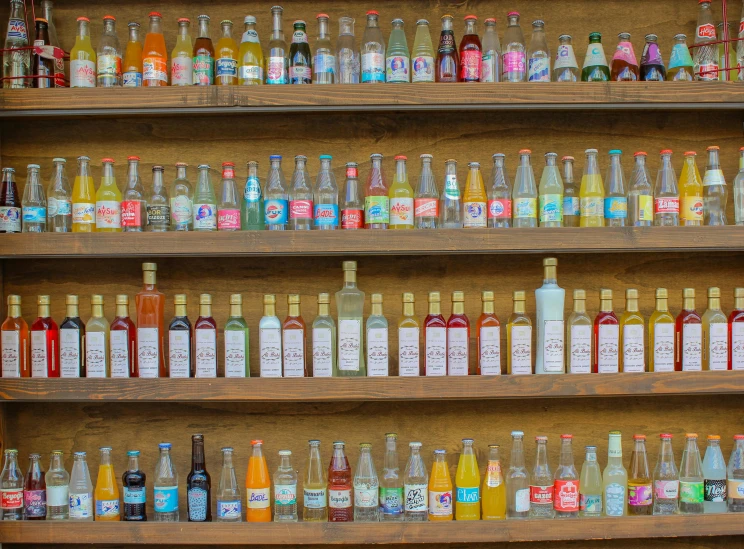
(592, 193)
(640, 194)
(691, 192)
(519, 338)
(632, 344)
(401, 197)
(661, 335)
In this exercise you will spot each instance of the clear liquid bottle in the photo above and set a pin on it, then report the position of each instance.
(415, 486)
(666, 479)
(59, 63)
(426, 199)
(373, 51)
(276, 197)
(566, 484)
(300, 58)
(17, 64)
(616, 195)
(11, 488)
(301, 197)
(181, 56)
(734, 475)
(579, 338)
(347, 54)
(285, 489)
(517, 481)
(541, 482)
(181, 200)
(228, 210)
(165, 486)
(57, 488)
(549, 301)
(551, 193)
(738, 184)
(226, 53)
(640, 493)
(524, 194)
(277, 63)
(571, 199)
(590, 485)
(691, 491)
(366, 487)
(204, 202)
(519, 337)
(681, 66)
(715, 499)
(133, 203)
(467, 482)
(59, 199)
(398, 60)
(451, 214)
(270, 339)
(108, 56)
(514, 52)
(666, 194)
(34, 203)
(615, 479)
(499, 195)
(252, 204)
(97, 340)
(595, 67)
(715, 193)
(378, 360)
(315, 487)
(705, 56)
(324, 60)
(350, 308)
(82, 59)
(422, 54)
(491, 54)
(565, 67)
(640, 194)
(538, 55)
(229, 504)
(158, 204)
(81, 489)
(592, 193)
(325, 195)
(376, 201)
(352, 201)
(250, 55)
(715, 334)
(391, 483)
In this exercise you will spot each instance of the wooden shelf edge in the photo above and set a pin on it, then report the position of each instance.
(370, 389)
(133, 533)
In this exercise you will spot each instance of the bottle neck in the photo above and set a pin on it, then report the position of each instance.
(227, 460)
(435, 308)
(324, 309)
(227, 31)
(269, 309)
(205, 310)
(488, 307)
(519, 307)
(605, 305)
(714, 303)
(568, 175)
(713, 163)
(541, 457)
(458, 308)
(517, 453)
(183, 30)
(400, 171)
(276, 26)
(350, 279)
(133, 172)
(108, 172)
(591, 164)
(470, 27)
(631, 305)
(181, 310)
(566, 458)
(294, 310)
(579, 306)
(236, 310)
(96, 310)
(376, 309)
(83, 32)
(105, 457)
(109, 27)
(157, 181)
(133, 464)
(739, 303)
(371, 21)
(741, 161)
(83, 169)
(197, 455)
(43, 311)
(122, 310)
(689, 304)
(149, 278)
(56, 463)
(322, 28)
(550, 274)
(662, 304)
(203, 28)
(408, 309)
(155, 26)
(73, 311)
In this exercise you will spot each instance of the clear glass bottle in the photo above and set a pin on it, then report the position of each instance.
(579, 337)
(661, 326)
(616, 196)
(182, 73)
(373, 51)
(398, 60)
(377, 339)
(204, 202)
(538, 55)
(82, 58)
(514, 52)
(541, 482)
(34, 203)
(81, 489)
(324, 339)
(165, 486)
(451, 214)
(301, 197)
(734, 475)
(366, 487)
(277, 63)
(493, 495)
(401, 201)
(57, 488)
(376, 201)
(315, 487)
(270, 339)
(566, 484)
(565, 67)
(11, 488)
(415, 486)
(59, 199)
(499, 195)
(228, 209)
(640, 194)
(571, 199)
(250, 55)
(666, 479)
(350, 309)
(108, 55)
(715, 192)
(590, 485)
(491, 53)
(252, 203)
(347, 54)
(97, 340)
(133, 203)
(691, 491)
(158, 205)
(422, 54)
(229, 503)
(276, 197)
(285, 489)
(47, 7)
(470, 52)
(739, 180)
(715, 499)
(615, 479)
(340, 484)
(324, 59)
(705, 56)
(551, 193)
(715, 334)
(391, 483)
(517, 481)
(181, 201)
(426, 200)
(640, 493)
(524, 193)
(666, 194)
(352, 201)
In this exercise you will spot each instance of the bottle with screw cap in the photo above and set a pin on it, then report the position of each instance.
(180, 340)
(435, 338)
(350, 308)
(715, 334)
(205, 340)
(661, 335)
(71, 341)
(150, 305)
(549, 300)
(458, 338)
(123, 341)
(15, 360)
(409, 338)
(237, 350)
(688, 331)
(519, 337)
(324, 339)
(736, 331)
(44, 341)
(97, 340)
(632, 340)
(377, 340)
(294, 340)
(579, 337)
(606, 337)
(488, 338)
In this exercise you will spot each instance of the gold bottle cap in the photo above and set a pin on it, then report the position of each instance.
(376, 298)
(688, 292)
(458, 297)
(236, 299)
(14, 299)
(179, 299)
(43, 300)
(205, 299)
(122, 299)
(149, 266)
(269, 299)
(661, 293)
(550, 262)
(434, 297)
(738, 292)
(630, 293)
(350, 266)
(605, 293)
(520, 296)
(714, 292)
(96, 299)
(486, 296)
(579, 294)
(324, 298)
(71, 299)
(293, 299)
(408, 297)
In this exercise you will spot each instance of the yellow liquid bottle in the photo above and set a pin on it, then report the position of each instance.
(108, 201)
(467, 482)
(493, 498)
(250, 56)
(690, 192)
(440, 489)
(632, 337)
(519, 338)
(107, 490)
(661, 335)
(579, 337)
(591, 193)
(181, 56)
(401, 197)
(474, 199)
(715, 334)
(409, 340)
(226, 57)
(83, 199)
(83, 58)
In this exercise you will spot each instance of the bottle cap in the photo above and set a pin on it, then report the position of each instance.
(277, 8)
(541, 438)
(181, 165)
(458, 297)
(470, 18)
(639, 437)
(490, 21)
(135, 158)
(203, 17)
(250, 19)
(519, 296)
(538, 23)
(372, 12)
(651, 38)
(105, 18)
(275, 157)
(205, 299)
(690, 153)
(165, 445)
(397, 21)
(494, 446)
(322, 15)
(440, 452)
(401, 157)
(434, 297)
(615, 151)
(324, 298)
(301, 157)
(42, 20)
(713, 148)
(467, 441)
(179, 299)
(236, 299)
(339, 444)
(391, 435)
(579, 294)
(688, 292)
(525, 151)
(226, 22)
(285, 453)
(183, 20)
(517, 433)
(376, 298)
(326, 157)
(149, 266)
(666, 151)
(59, 160)
(738, 292)
(122, 299)
(293, 299)
(624, 36)
(486, 296)
(414, 445)
(691, 435)
(665, 435)
(591, 151)
(96, 299)
(314, 442)
(14, 299)
(133, 453)
(473, 165)
(376, 156)
(714, 437)
(256, 442)
(349, 265)
(154, 14)
(408, 297)
(365, 446)
(70, 299)
(567, 159)
(228, 164)
(499, 155)
(422, 22)
(157, 168)
(43, 300)
(566, 437)
(107, 160)
(450, 161)
(640, 153)
(513, 14)
(252, 164)
(661, 293)
(631, 293)
(714, 292)
(83, 19)
(423, 156)
(738, 437)
(550, 262)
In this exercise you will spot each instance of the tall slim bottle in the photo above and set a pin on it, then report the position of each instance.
(108, 200)
(471, 52)
(422, 54)
(108, 56)
(205, 341)
(59, 203)
(409, 338)
(688, 333)
(285, 489)
(270, 339)
(440, 489)
(435, 338)
(10, 203)
(715, 193)
(324, 59)
(123, 341)
(277, 63)
(97, 340)
(715, 334)
(590, 485)
(488, 338)
(80, 490)
(426, 199)
(401, 197)
(250, 55)
(519, 338)
(228, 209)
(592, 193)
(616, 195)
(666, 479)
(538, 55)
(615, 479)
(15, 344)
(494, 487)
(415, 486)
(458, 338)
(499, 195)
(666, 194)
(517, 481)
(82, 60)
(180, 340)
(325, 197)
(640, 194)
(134, 490)
(566, 485)
(34, 490)
(366, 487)
(182, 71)
(514, 52)
(467, 482)
(83, 199)
(551, 193)
(632, 335)
(640, 493)
(391, 483)
(736, 331)
(181, 201)
(549, 300)
(198, 484)
(154, 56)
(373, 51)
(133, 204)
(324, 339)
(44, 335)
(150, 305)
(203, 59)
(491, 54)
(715, 499)
(475, 199)
(735, 476)
(691, 479)
(606, 358)
(252, 204)
(229, 504)
(571, 194)
(165, 483)
(352, 202)
(107, 489)
(71, 340)
(524, 194)
(376, 200)
(452, 208)
(294, 340)
(158, 205)
(34, 203)
(541, 482)
(204, 202)
(347, 54)
(579, 337)
(661, 335)
(315, 487)
(300, 59)
(738, 181)
(226, 53)
(340, 497)
(692, 209)
(237, 350)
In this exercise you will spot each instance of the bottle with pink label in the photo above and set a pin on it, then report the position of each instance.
(513, 54)
(640, 494)
(470, 52)
(499, 195)
(301, 197)
(666, 479)
(228, 210)
(624, 65)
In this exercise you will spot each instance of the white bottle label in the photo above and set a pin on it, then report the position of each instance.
(258, 498)
(737, 345)
(270, 349)
(69, 353)
(148, 352)
(401, 211)
(521, 350)
(58, 495)
(377, 352)
(81, 506)
(458, 355)
(633, 348)
(718, 346)
(294, 353)
(490, 350)
(366, 497)
(322, 353)
(436, 352)
(82, 74)
(522, 500)
(692, 347)
(179, 353)
(408, 352)
(664, 347)
(39, 353)
(11, 353)
(315, 498)
(339, 499)
(415, 497)
(553, 355)
(608, 349)
(205, 354)
(182, 71)
(349, 344)
(581, 350)
(119, 353)
(235, 353)
(95, 354)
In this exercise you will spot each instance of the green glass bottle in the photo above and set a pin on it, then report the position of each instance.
(595, 63)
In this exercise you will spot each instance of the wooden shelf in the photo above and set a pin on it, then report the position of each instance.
(333, 243)
(173, 101)
(134, 533)
(370, 389)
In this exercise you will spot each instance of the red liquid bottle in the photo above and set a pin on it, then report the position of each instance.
(205, 341)
(470, 52)
(435, 339)
(34, 492)
(293, 340)
(123, 341)
(458, 338)
(10, 203)
(488, 339)
(736, 331)
(448, 61)
(688, 333)
(606, 336)
(624, 65)
(340, 505)
(44, 342)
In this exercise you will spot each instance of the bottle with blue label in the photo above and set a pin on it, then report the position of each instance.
(107, 491)
(204, 202)
(226, 53)
(165, 500)
(524, 193)
(252, 207)
(80, 489)
(325, 197)
(616, 195)
(229, 504)
(467, 482)
(398, 60)
(681, 66)
(276, 197)
(34, 203)
(373, 51)
(324, 60)
(538, 55)
(135, 489)
(391, 484)
(198, 484)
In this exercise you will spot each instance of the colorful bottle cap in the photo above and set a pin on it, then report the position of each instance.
(738, 437)
(665, 435)
(107, 160)
(470, 18)
(180, 164)
(691, 435)
(226, 22)
(109, 18)
(184, 20)
(275, 157)
(440, 452)
(322, 15)
(83, 19)
(640, 153)
(401, 157)
(228, 164)
(154, 14)
(568, 158)
(256, 442)
(326, 157)
(639, 437)
(616, 151)
(541, 438)
(713, 148)
(566, 437)
(513, 14)
(372, 12)
(666, 151)
(714, 437)
(60, 160)
(517, 433)
(525, 151)
(299, 22)
(490, 21)
(131, 158)
(133, 453)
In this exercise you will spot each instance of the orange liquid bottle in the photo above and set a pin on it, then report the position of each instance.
(16, 362)
(440, 488)
(107, 490)
(132, 70)
(150, 304)
(258, 486)
(488, 338)
(154, 55)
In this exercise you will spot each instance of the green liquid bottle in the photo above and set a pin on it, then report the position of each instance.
(237, 363)
(595, 63)
(252, 206)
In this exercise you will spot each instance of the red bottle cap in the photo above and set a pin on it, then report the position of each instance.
(567, 158)
(400, 157)
(690, 153)
(322, 15)
(665, 435)
(133, 158)
(154, 14)
(490, 20)
(228, 164)
(713, 148)
(639, 437)
(640, 153)
(83, 19)
(254, 442)
(181, 164)
(666, 151)
(184, 20)
(372, 12)
(525, 151)
(471, 18)
(738, 437)
(511, 13)
(107, 160)
(566, 437)
(742, 149)
(109, 17)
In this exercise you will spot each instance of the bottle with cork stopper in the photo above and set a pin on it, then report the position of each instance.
(632, 331)
(72, 341)
(715, 334)
(519, 337)
(409, 331)
(294, 340)
(378, 363)
(579, 337)
(44, 341)
(350, 308)
(435, 338)
(458, 338)
(15, 346)
(97, 340)
(270, 339)
(549, 302)
(606, 336)
(123, 341)
(688, 330)
(661, 335)
(150, 306)
(324, 339)
(237, 351)
(180, 363)
(736, 331)
(488, 338)
(205, 340)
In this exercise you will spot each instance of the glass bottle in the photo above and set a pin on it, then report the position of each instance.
(519, 337)
(347, 54)
(131, 76)
(285, 489)
(680, 61)
(258, 486)
(488, 338)
(452, 208)
(276, 197)
(42, 66)
(470, 52)
(165, 494)
(440, 489)
(294, 340)
(250, 55)
(80, 489)
(565, 66)
(590, 485)
(398, 60)
(182, 71)
(499, 195)
(715, 193)
(566, 484)
(640, 494)
(83, 198)
(82, 59)
(517, 481)
(277, 63)
(107, 491)
(691, 479)
(226, 53)
(715, 499)
(666, 194)
(377, 339)
(324, 60)
(158, 204)
(475, 199)
(352, 202)
(59, 62)
(595, 67)
(415, 486)
(270, 339)
(150, 304)
(739, 186)
(204, 203)
(57, 481)
(632, 331)
(541, 482)
(180, 340)
(324, 339)
(615, 479)
(705, 56)
(34, 490)
(108, 55)
(376, 201)
(71, 341)
(579, 337)
(715, 334)
(435, 339)
(491, 55)
(135, 491)
(551, 193)
(15, 344)
(59, 204)
(229, 503)
(315, 487)
(467, 482)
(616, 196)
(108, 200)
(692, 205)
(340, 504)
(514, 52)
(181, 200)
(123, 341)
(17, 64)
(447, 66)
(198, 483)
(661, 335)
(300, 60)
(203, 58)
(154, 56)
(624, 65)
(10, 204)
(401, 197)
(538, 55)
(606, 336)
(571, 199)
(494, 487)
(34, 203)
(228, 210)
(458, 338)
(652, 65)
(373, 51)
(366, 487)
(133, 204)
(640, 194)
(422, 54)
(426, 199)
(688, 331)
(735, 476)
(237, 349)
(252, 204)
(666, 479)
(592, 193)
(525, 193)
(205, 341)
(97, 341)
(549, 301)
(391, 483)
(736, 331)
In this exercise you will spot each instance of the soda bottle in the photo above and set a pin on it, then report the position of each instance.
(226, 53)
(517, 480)
(59, 62)
(525, 194)
(640, 494)
(571, 200)
(475, 200)
(448, 61)
(57, 482)
(415, 486)
(691, 490)
(514, 52)
(108, 201)
(198, 484)
(109, 55)
(705, 56)
(229, 505)
(276, 202)
(182, 70)
(133, 205)
(470, 52)
(301, 197)
(565, 67)
(154, 56)
(339, 486)
(41, 65)
(204, 202)
(135, 489)
(181, 202)
(715, 498)
(34, 491)
(324, 60)
(714, 191)
(131, 76)
(615, 479)
(59, 203)
(203, 56)
(401, 197)
(541, 482)
(494, 487)
(250, 55)
(616, 198)
(491, 54)
(325, 213)
(691, 192)
(228, 210)
(590, 485)
(80, 490)
(666, 479)
(538, 55)
(277, 63)
(467, 481)
(592, 193)
(11, 488)
(366, 487)
(391, 485)
(440, 489)
(681, 65)
(452, 209)
(158, 205)
(314, 487)
(595, 63)
(551, 193)
(739, 51)
(373, 51)
(16, 60)
(82, 58)
(499, 195)
(300, 60)
(83, 199)
(165, 496)
(285, 489)
(352, 203)
(107, 491)
(422, 58)
(398, 60)
(426, 201)
(640, 194)
(566, 483)
(252, 206)
(735, 476)
(347, 54)
(34, 203)
(739, 191)
(666, 195)
(376, 201)
(652, 64)
(624, 65)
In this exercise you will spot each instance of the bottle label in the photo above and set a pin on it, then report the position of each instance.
(391, 501)
(83, 213)
(277, 71)
(691, 492)
(270, 343)
(226, 67)
(664, 347)
(131, 213)
(109, 65)
(203, 70)
(34, 214)
(294, 353)
(458, 356)
(415, 497)
(205, 216)
(326, 215)
(182, 71)
(737, 345)
(640, 495)
(108, 214)
(398, 69)
(607, 351)
(713, 177)
(148, 352)
(39, 353)
(624, 52)
(522, 500)
(633, 348)
(165, 499)
(666, 205)
(135, 495)
(10, 219)
(566, 494)
(366, 497)
(426, 207)
(692, 208)
(494, 476)
(276, 211)
(58, 495)
(119, 352)
(408, 352)
(285, 494)
(376, 210)
(132, 79)
(349, 344)
(401, 211)
(715, 490)
(551, 208)
(616, 207)
(82, 74)
(95, 354)
(614, 499)
(436, 352)
(470, 66)
(489, 66)
(525, 208)
(35, 503)
(81, 506)
(198, 503)
(322, 352)
(352, 219)
(680, 57)
(718, 346)
(500, 208)
(735, 489)
(591, 503)
(474, 214)
(324, 63)
(423, 68)
(645, 208)
(514, 61)
(250, 36)
(565, 57)
(440, 503)
(552, 335)
(69, 353)
(521, 350)
(377, 352)
(373, 67)
(232, 509)
(706, 31)
(592, 207)
(11, 355)
(107, 508)
(252, 191)
(251, 72)
(235, 353)
(339, 499)
(228, 220)
(581, 350)
(315, 498)
(205, 352)
(182, 210)
(258, 498)
(468, 495)
(58, 206)
(666, 489)
(158, 215)
(451, 188)
(17, 29)
(539, 69)
(300, 74)
(692, 347)
(154, 69)
(490, 350)
(541, 495)
(179, 353)
(300, 209)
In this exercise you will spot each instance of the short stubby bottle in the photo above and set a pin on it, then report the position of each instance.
(135, 491)
(467, 482)
(285, 489)
(391, 484)
(366, 487)
(11, 488)
(229, 504)
(340, 505)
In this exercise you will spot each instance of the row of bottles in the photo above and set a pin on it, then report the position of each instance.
(607, 344)
(558, 200)
(414, 495)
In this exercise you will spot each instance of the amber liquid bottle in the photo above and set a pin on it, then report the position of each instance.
(150, 305)
(293, 340)
(123, 341)
(15, 347)
(448, 61)
(409, 348)
(488, 338)
(688, 332)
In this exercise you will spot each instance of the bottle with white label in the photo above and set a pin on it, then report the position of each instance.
(237, 352)
(458, 338)
(270, 339)
(688, 335)
(666, 479)
(205, 341)
(401, 197)
(80, 490)
(549, 301)
(250, 55)
(632, 335)
(293, 340)
(519, 338)
(182, 73)
(324, 339)
(524, 193)
(150, 305)
(422, 54)
(373, 51)
(378, 363)
(285, 489)
(204, 202)
(606, 358)
(179, 340)
(350, 307)
(615, 479)
(15, 345)
(415, 486)
(661, 335)
(97, 340)
(488, 338)
(123, 341)
(108, 200)
(72, 341)
(451, 212)
(435, 339)
(57, 488)
(34, 203)
(715, 334)
(736, 331)
(315, 487)
(44, 341)
(324, 60)
(517, 480)
(734, 475)
(109, 55)
(83, 58)
(366, 487)
(551, 193)
(300, 58)
(579, 337)
(165, 486)
(409, 332)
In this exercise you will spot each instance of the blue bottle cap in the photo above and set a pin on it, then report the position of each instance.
(275, 157)
(133, 453)
(164, 445)
(325, 157)
(616, 151)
